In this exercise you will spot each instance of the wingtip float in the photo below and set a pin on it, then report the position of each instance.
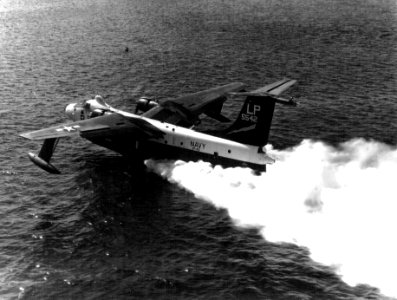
(41, 163)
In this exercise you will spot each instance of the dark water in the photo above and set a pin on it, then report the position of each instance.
(105, 231)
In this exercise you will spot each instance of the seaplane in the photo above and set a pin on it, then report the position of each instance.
(167, 129)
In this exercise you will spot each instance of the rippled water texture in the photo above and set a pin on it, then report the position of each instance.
(103, 230)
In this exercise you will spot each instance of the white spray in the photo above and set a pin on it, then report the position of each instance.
(341, 203)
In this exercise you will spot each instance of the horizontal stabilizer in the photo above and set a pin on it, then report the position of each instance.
(279, 100)
(276, 88)
(271, 90)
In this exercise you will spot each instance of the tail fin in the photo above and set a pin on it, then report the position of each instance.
(252, 126)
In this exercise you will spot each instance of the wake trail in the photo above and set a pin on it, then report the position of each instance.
(339, 202)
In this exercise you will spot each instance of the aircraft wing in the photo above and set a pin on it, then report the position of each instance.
(186, 109)
(109, 124)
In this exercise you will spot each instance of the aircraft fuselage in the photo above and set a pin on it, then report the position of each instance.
(180, 142)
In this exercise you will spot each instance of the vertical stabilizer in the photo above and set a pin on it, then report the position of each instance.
(252, 126)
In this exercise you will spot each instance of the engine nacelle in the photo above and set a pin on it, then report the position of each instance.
(96, 104)
(75, 112)
(144, 104)
(88, 109)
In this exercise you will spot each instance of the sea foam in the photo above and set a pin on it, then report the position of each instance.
(339, 202)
